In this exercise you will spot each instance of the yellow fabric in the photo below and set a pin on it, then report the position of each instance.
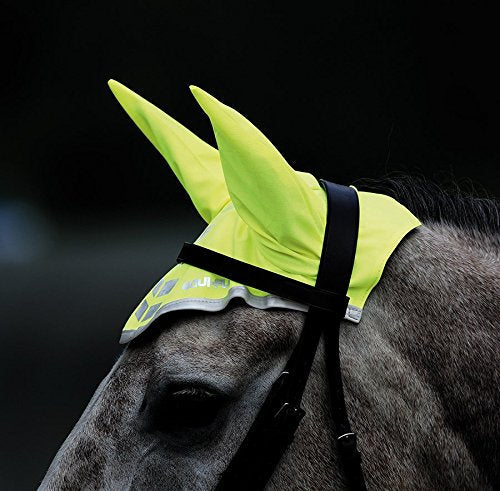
(195, 163)
(265, 214)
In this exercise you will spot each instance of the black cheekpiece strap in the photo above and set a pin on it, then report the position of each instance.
(341, 237)
(276, 422)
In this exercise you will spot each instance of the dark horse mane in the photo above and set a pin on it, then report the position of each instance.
(431, 203)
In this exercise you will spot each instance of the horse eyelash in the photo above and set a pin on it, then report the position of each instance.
(194, 392)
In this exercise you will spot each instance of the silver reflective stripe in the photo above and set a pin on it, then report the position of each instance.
(154, 291)
(353, 313)
(167, 287)
(152, 310)
(141, 309)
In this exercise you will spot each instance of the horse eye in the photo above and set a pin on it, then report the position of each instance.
(182, 408)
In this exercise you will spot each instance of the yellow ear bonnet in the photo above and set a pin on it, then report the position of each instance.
(259, 210)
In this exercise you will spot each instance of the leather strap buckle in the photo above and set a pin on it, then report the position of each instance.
(347, 438)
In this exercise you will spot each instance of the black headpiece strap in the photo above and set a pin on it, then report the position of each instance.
(274, 427)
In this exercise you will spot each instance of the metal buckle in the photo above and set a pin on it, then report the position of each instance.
(288, 417)
(346, 437)
(281, 409)
(288, 410)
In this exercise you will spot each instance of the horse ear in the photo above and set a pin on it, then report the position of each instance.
(195, 163)
(267, 193)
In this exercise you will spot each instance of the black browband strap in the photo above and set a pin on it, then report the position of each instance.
(276, 422)
(259, 278)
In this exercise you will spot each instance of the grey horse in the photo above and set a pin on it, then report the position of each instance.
(420, 371)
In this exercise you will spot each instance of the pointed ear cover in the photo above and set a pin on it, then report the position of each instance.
(272, 199)
(195, 163)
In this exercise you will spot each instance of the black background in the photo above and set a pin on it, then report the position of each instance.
(90, 215)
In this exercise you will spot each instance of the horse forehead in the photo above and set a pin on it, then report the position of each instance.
(240, 332)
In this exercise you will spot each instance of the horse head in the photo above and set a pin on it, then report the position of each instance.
(203, 352)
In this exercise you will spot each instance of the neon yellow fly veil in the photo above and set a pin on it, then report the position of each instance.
(258, 210)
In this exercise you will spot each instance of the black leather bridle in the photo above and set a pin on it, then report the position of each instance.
(274, 427)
